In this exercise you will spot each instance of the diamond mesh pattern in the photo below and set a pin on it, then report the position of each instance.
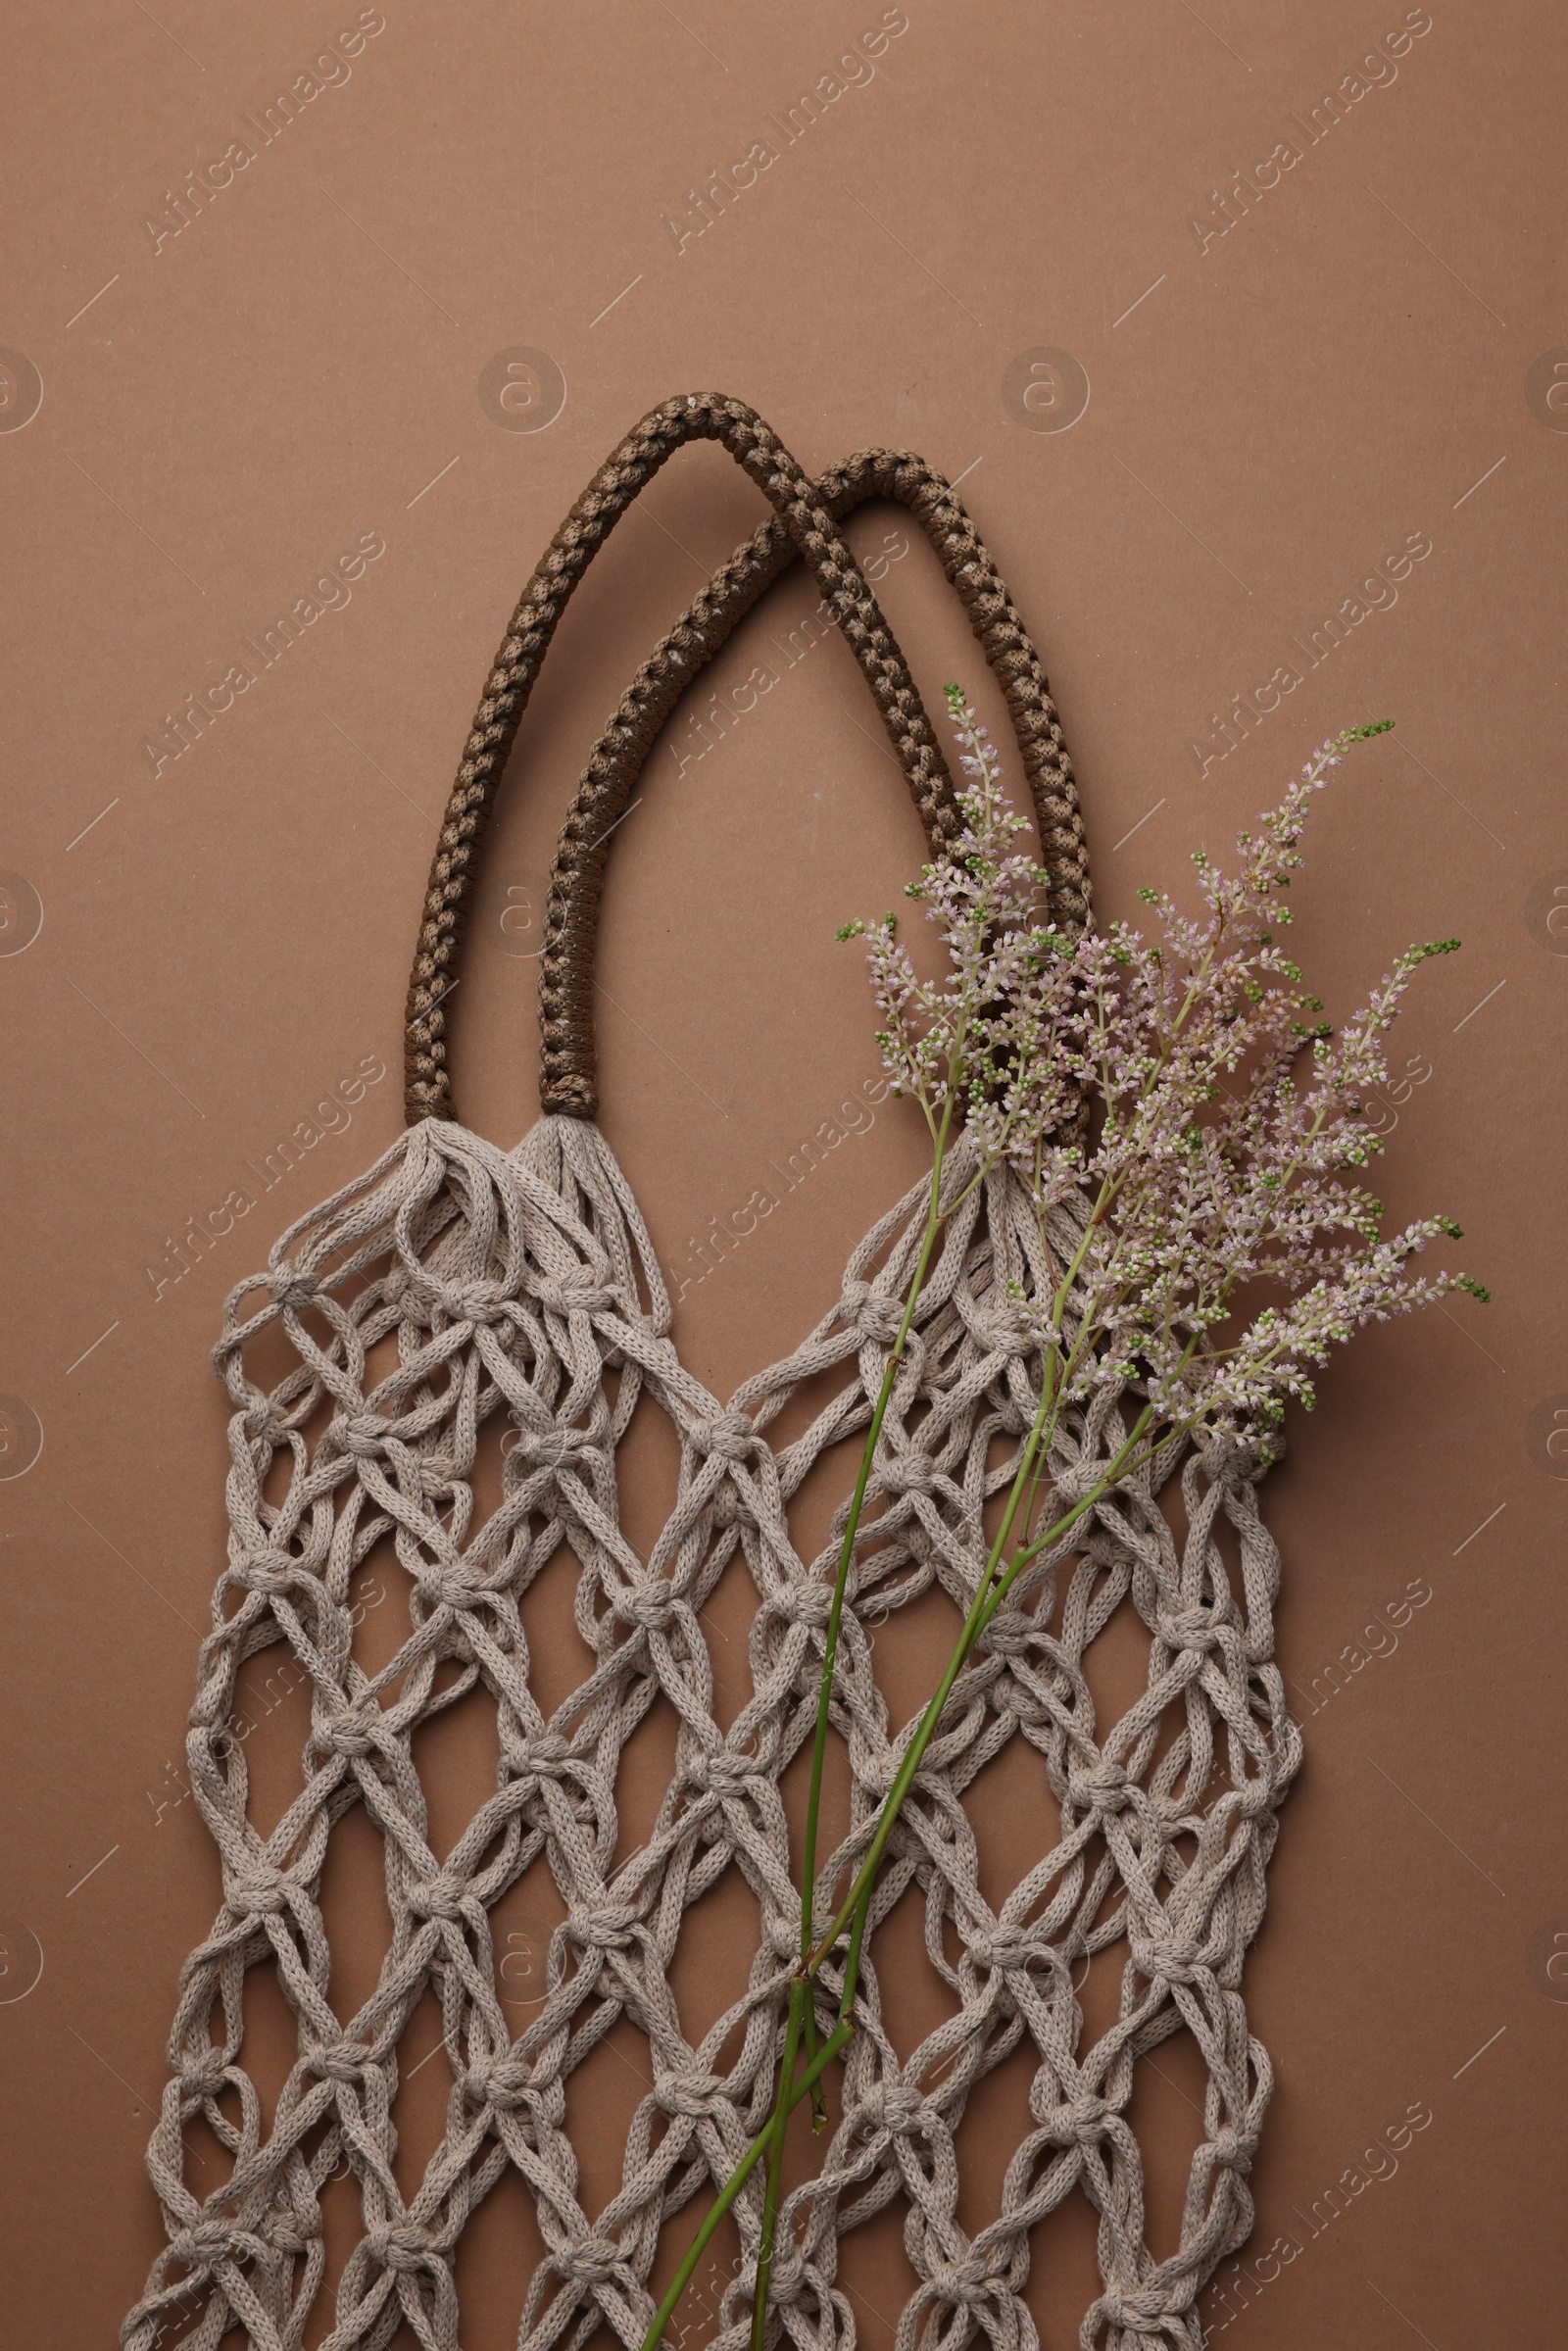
(521, 1290)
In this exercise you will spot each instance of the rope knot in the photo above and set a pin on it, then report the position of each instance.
(575, 1292)
(1081, 2122)
(967, 2285)
(880, 1766)
(694, 2096)
(457, 1589)
(404, 2246)
(718, 1771)
(588, 2259)
(262, 1422)
(202, 2073)
(1137, 2310)
(474, 1300)
(340, 2061)
(1168, 1959)
(650, 1606)
(873, 1317)
(439, 1897)
(1075, 1481)
(1189, 1628)
(1230, 1456)
(399, 1285)
(601, 1926)
(783, 1940)
(1099, 1786)
(259, 1892)
(1254, 1797)
(352, 1730)
(545, 1756)
(290, 1288)
(549, 1448)
(495, 2086)
(998, 1330)
(729, 1508)
(209, 2242)
(1004, 1953)
(362, 1433)
(436, 1472)
(268, 1570)
(1234, 2149)
(1008, 1633)
(896, 2107)
(729, 1435)
(806, 1604)
(913, 1472)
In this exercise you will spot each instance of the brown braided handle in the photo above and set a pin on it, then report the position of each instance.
(804, 522)
(812, 531)
(566, 981)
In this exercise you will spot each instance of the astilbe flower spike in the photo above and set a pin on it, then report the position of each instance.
(1226, 1132)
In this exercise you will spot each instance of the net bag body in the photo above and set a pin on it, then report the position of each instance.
(460, 1297)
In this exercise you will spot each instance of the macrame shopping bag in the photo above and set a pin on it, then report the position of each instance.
(521, 1297)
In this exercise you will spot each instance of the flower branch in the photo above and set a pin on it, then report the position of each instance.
(1179, 1103)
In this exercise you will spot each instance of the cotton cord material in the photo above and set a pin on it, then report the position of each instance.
(512, 1284)
(463, 1315)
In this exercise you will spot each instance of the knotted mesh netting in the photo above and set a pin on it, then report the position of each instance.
(459, 1297)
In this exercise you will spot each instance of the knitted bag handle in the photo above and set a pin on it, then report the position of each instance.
(804, 522)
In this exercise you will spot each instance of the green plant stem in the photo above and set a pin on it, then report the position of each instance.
(855, 1910)
(802, 1996)
(830, 1644)
(837, 2040)
(801, 2019)
(988, 1599)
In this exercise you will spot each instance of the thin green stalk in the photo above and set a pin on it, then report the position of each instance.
(802, 1996)
(1026, 1479)
(856, 1909)
(830, 1644)
(852, 1964)
(1039, 1435)
(987, 1602)
(857, 1904)
(801, 2019)
(838, 2039)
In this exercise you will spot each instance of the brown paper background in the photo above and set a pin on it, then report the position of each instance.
(1366, 353)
